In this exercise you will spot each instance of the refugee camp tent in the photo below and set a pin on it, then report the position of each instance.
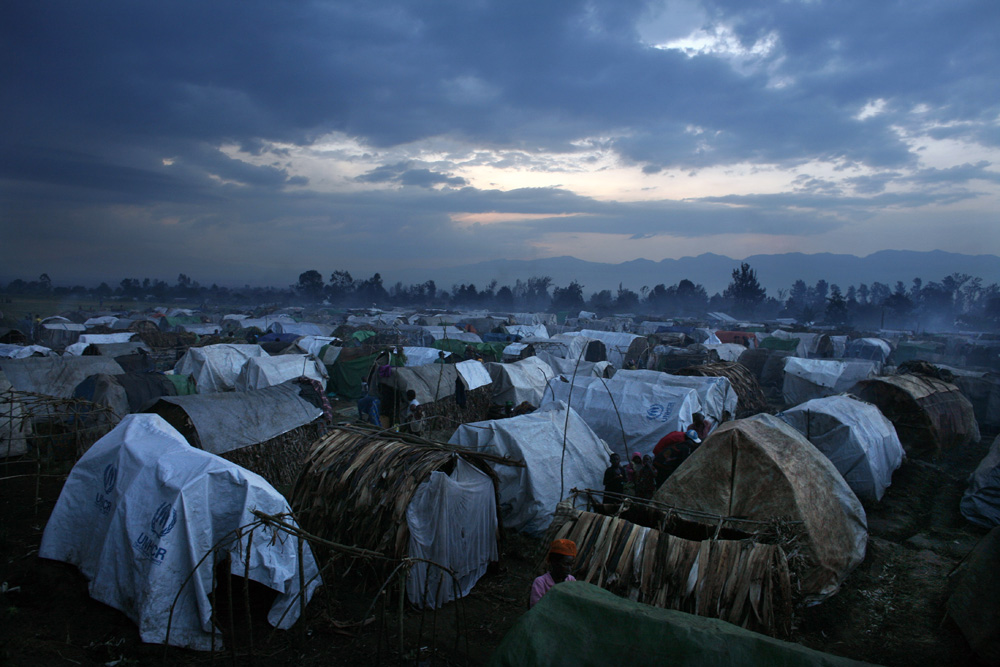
(15, 426)
(301, 328)
(751, 398)
(452, 333)
(448, 393)
(10, 351)
(570, 367)
(578, 625)
(974, 603)
(314, 344)
(983, 391)
(527, 330)
(929, 414)
(260, 372)
(265, 430)
(140, 509)
(981, 502)
(760, 468)
(59, 334)
(421, 356)
(216, 367)
(127, 392)
(768, 366)
(55, 376)
(855, 436)
(726, 351)
(815, 378)
(520, 381)
(559, 450)
(621, 347)
(404, 499)
(715, 394)
(628, 413)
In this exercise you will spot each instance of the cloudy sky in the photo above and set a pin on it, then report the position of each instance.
(246, 142)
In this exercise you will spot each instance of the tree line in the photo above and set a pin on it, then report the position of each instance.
(957, 298)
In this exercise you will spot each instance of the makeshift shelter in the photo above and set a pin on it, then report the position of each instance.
(744, 338)
(806, 379)
(520, 381)
(140, 509)
(55, 376)
(650, 564)
(11, 351)
(929, 414)
(404, 500)
(857, 439)
(981, 502)
(762, 469)
(15, 423)
(671, 359)
(578, 625)
(628, 413)
(983, 391)
(621, 347)
(716, 395)
(974, 603)
(216, 367)
(449, 394)
(725, 351)
(768, 366)
(260, 372)
(301, 328)
(570, 367)
(874, 349)
(559, 451)
(527, 330)
(751, 398)
(421, 356)
(59, 334)
(128, 392)
(265, 430)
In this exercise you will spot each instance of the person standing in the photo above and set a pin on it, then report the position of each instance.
(614, 480)
(671, 451)
(412, 413)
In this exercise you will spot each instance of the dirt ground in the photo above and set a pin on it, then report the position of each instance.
(890, 610)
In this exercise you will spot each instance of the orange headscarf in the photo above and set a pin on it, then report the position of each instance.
(563, 548)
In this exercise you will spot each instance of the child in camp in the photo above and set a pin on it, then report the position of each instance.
(562, 553)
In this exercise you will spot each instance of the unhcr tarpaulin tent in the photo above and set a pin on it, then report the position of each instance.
(628, 414)
(716, 395)
(216, 367)
(620, 346)
(55, 376)
(529, 495)
(855, 436)
(762, 469)
(806, 379)
(570, 367)
(581, 625)
(260, 372)
(520, 381)
(140, 509)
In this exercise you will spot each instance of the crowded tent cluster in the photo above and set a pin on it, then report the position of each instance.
(727, 473)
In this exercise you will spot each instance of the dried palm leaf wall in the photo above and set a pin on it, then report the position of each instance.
(740, 581)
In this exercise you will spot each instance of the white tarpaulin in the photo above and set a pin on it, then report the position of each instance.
(630, 415)
(140, 509)
(421, 356)
(806, 379)
(527, 330)
(301, 328)
(8, 351)
(231, 420)
(314, 344)
(616, 342)
(106, 338)
(726, 351)
(55, 376)
(215, 367)
(568, 367)
(474, 374)
(859, 441)
(715, 393)
(453, 522)
(875, 349)
(520, 381)
(451, 333)
(260, 372)
(528, 496)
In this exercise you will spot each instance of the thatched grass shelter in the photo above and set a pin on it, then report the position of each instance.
(930, 415)
(406, 498)
(751, 397)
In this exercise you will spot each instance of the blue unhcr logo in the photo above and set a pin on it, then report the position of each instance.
(110, 478)
(660, 412)
(163, 520)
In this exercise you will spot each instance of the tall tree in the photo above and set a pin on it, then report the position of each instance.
(745, 290)
(310, 285)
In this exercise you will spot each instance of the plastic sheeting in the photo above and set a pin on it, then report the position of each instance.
(569, 367)
(227, 421)
(761, 469)
(726, 351)
(855, 436)
(874, 349)
(529, 495)
(527, 330)
(260, 372)
(715, 394)
(8, 351)
(981, 501)
(629, 414)
(473, 373)
(451, 333)
(616, 342)
(314, 344)
(216, 367)
(301, 328)
(806, 379)
(55, 376)
(453, 522)
(139, 510)
(422, 356)
(103, 339)
(520, 381)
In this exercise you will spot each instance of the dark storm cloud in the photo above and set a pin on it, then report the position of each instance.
(404, 173)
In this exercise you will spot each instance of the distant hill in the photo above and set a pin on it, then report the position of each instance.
(715, 271)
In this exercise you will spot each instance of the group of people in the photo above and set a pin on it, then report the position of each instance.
(644, 474)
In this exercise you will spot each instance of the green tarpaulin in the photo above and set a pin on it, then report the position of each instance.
(488, 351)
(578, 624)
(784, 344)
(346, 376)
(362, 335)
(183, 383)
